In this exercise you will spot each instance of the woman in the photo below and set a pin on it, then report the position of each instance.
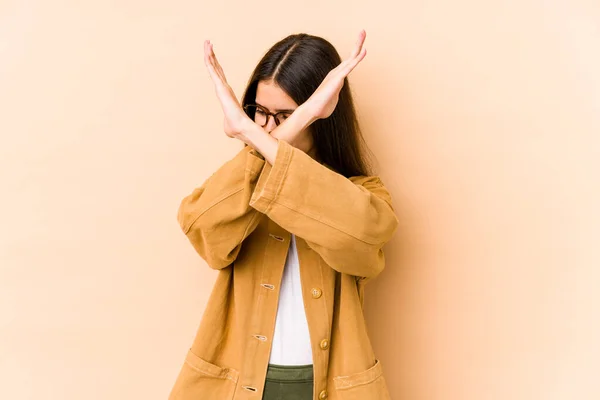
(295, 225)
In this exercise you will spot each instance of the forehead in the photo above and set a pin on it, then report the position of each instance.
(269, 95)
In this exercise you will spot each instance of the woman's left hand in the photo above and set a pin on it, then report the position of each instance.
(324, 100)
(235, 117)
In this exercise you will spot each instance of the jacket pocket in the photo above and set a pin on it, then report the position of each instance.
(199, 379)
(365, 385)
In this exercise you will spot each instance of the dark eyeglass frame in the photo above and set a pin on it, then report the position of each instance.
(267, 113)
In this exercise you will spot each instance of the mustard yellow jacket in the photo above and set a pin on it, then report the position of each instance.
(240, 222)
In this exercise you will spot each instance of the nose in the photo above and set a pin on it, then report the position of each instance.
(270, 124)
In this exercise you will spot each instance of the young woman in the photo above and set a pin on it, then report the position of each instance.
(295, 224)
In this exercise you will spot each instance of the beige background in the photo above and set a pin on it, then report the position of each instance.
(484, 117)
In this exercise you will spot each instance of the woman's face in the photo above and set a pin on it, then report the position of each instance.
(274, 99)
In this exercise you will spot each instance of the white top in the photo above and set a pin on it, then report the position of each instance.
(291, 340)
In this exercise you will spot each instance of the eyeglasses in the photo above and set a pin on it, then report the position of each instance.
(261, 114)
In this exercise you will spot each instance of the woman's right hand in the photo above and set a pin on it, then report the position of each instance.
(235, 119)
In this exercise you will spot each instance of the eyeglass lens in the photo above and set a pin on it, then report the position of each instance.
(261, 118)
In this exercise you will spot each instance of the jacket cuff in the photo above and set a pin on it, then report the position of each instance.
(271, 178)
(255, 160)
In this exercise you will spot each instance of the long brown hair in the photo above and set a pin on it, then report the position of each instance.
(298, 64)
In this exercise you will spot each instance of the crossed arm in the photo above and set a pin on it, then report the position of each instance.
(346, 220)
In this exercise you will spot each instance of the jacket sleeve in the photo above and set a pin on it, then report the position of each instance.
(216, 217)
(346, 220)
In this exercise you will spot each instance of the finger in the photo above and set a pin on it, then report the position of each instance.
(344, 68)
(213, 75)
(211, 55)
(207, 61)
(357, 54)
(359, 58)
(347, 68)
(207, 56)
(206, 52)
(210, 66)
(339, 69)
(358, 45)
(216, 65)
(353, 63)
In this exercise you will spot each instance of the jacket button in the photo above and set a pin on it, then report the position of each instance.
(323, 394)
(316, 293)
(324, 344)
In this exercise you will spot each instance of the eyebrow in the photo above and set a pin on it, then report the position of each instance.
(277, 111)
